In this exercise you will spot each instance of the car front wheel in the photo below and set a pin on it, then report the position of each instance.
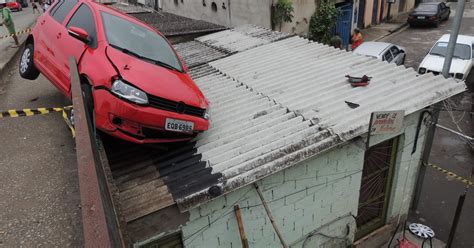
(27, 67)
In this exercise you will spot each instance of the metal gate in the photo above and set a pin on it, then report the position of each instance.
(344, 23)
(375, 186)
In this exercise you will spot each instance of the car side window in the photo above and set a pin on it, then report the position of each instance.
(63, 9)
(395, 51)
(84, 19)
(388, 56)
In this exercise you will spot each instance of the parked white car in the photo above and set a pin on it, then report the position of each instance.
(382, 51)
(462, 58)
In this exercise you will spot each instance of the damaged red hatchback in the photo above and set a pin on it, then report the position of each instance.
(135, 86)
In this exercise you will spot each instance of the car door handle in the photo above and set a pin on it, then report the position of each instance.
(58, 35)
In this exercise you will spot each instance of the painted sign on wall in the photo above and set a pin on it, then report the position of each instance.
(384, 122)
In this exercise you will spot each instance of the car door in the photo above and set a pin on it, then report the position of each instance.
(398, 55)
(82, 18)
(54, 30)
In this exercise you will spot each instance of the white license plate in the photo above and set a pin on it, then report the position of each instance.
(179, 126)
(421, 17)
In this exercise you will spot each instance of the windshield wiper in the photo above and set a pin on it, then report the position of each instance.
(437, 54)
(124, 50)
(154, 61)
(458, 57)
(163, 64)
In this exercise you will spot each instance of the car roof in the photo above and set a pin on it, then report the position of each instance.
(372, 48)
(462, 39)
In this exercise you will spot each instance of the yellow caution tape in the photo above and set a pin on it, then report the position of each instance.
(31, 112)
(41, 111)
(68, 122)
(17, 33)
(452, 174)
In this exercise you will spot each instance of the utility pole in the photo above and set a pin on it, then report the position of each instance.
(438, 106)
(447, 65)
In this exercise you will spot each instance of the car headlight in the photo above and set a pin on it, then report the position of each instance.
(129, 92)
(422, 70)
(207, 113)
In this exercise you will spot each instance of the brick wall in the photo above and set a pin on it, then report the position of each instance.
(301, 199)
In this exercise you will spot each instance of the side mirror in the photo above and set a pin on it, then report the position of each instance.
(79, 34)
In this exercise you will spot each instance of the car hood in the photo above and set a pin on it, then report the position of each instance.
(156, 80)
(435, 63)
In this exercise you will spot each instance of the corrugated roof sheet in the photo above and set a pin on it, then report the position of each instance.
(241, 38)
(280, 103)
(195, 53)
(171, 25)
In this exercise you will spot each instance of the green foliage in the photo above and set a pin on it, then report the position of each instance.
(283, 12)
(323, 21)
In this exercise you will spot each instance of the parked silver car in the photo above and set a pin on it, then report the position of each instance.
(382, 51)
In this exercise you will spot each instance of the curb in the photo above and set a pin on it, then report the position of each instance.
(399, 28)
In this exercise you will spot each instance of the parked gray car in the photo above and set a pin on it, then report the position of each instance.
(382, 51)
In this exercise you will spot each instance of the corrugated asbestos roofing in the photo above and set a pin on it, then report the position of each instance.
(275, 100)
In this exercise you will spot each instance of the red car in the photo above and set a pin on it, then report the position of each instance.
(134, 84)
(14, 5)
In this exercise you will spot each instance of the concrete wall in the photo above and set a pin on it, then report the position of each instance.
(305, 197)
(304, 9)
(240, 11)
(394, 11)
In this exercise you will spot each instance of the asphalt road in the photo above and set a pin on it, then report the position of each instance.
(440, 192)
(39, 193)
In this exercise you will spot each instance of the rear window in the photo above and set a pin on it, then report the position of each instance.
(427, 7)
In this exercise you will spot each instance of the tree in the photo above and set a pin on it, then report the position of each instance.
(282, 12)
(323, 21)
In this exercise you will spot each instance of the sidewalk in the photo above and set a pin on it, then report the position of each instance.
(23, 20)
(378, 32)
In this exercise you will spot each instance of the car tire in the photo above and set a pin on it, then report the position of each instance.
(27, 66)
(88, 103)
(437, 23)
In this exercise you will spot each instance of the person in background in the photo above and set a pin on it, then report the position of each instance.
(336, 41)
(7, 20)
(34, 4)
(356, 39)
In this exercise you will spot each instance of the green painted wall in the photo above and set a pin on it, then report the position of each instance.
(305, 197)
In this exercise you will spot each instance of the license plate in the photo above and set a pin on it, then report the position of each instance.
(421, 17)
(179, 126)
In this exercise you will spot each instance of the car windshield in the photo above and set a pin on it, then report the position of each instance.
(427, 7)
(139, 41)
(461, 51)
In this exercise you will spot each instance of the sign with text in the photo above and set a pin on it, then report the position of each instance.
(384, 122)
